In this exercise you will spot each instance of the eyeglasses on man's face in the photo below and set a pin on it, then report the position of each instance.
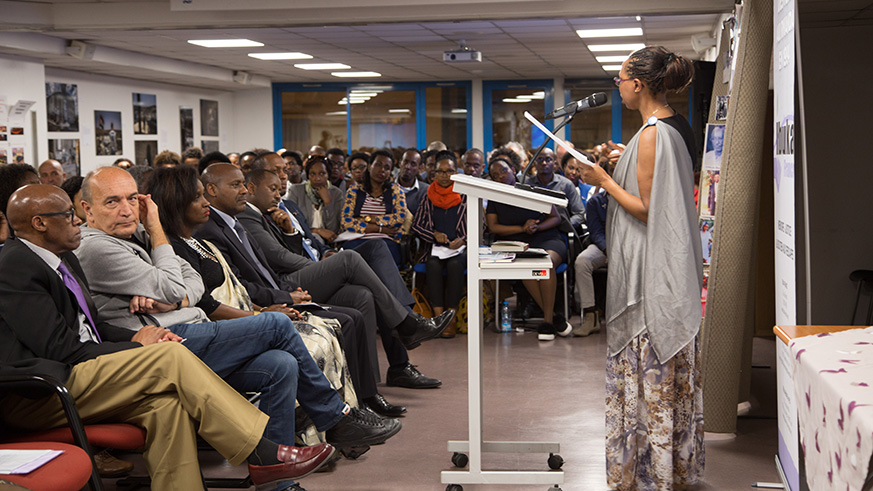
(69, 214)
(619, 80)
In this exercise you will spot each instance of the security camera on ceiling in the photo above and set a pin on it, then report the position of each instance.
(461, 55)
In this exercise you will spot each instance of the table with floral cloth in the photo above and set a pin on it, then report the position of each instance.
(833, 382)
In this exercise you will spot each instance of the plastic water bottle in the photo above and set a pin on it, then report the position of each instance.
(505, 318)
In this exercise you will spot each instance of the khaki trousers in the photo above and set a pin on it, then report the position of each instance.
(164, 389)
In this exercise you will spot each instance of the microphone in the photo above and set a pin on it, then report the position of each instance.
(593, 100)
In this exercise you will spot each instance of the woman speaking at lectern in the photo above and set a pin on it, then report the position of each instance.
(654, 401)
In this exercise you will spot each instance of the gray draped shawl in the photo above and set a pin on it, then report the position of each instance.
(655, 268)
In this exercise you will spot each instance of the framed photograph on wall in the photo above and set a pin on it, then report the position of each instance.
(209, 146)
(144, 152)
(208, 117)
(107, 132)
(145, 114)
(62, 106)
(66, 151)
(186, 123)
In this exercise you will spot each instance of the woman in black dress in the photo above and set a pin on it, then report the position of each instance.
(538, 230)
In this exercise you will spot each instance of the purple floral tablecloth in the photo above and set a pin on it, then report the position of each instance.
(833, 382)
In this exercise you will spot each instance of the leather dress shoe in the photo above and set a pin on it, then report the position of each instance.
(109, 466)
(381, 406)
(427, 329)
(296, 462)
(361, 428)
(411, 378)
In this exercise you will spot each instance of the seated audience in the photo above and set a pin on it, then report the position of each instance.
(407, 179)
(294, 169)
(12, 177)
(337, 158)
(167, 158)
(137, 280)
(52, 172)
(123, 163)
(473, 162)
(441, 221)
(428, 159)
(146, 378)
(73, 187)
(141, 175)
(593, 257)
(320, 200)
(571, 168)
(283, 235)
(377, 208)
(211, 158)
(192, 156)
(511, 156)
(546, 164)
(340, 279)
(182, 208)
(245, 161)
(357, 163)
(540, 230)
(234, 158)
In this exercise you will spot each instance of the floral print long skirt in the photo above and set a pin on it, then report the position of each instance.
(654, 418)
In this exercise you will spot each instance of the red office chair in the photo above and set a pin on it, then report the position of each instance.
(120, 436)
(69, 471)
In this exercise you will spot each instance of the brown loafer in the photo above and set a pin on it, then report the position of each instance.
(109, 466)
(297, 462)
(450, 331)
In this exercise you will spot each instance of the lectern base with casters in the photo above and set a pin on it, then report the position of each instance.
(469, 453)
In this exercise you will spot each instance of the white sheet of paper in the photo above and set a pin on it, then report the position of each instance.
(24, 461)
(575, 153)
(444, 252)
(348, 236)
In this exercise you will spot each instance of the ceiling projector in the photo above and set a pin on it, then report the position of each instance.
(463, 54)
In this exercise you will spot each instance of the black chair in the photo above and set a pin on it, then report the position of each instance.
(864, 277)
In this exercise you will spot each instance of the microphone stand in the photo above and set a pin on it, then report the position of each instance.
(535, 189)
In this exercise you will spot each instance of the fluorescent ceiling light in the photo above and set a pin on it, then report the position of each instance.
(281, 56)
(628, 48)
(363, 94)
(511, 99)
(611, 59)
(459, 111)
(612, 68)
(525, 97)
(399, 111)
(226, 43)
(321, 66)
(356, 74)
(609, 33)
(336, 113)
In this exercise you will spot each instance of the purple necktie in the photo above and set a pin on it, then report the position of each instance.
(73, 285)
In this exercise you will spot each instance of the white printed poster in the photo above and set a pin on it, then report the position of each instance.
(784, 21)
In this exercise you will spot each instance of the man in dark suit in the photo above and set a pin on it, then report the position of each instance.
(342, 279)
(47, 327)
(281, 237)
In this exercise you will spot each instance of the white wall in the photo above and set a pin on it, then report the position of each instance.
(101, 93)
(24, 79)
(253, 120)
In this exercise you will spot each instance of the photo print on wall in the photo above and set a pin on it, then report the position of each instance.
(145, 151)
(66, 151)
(145, 114)
(208, 117)
(62, 106)
(107, 132)
(209, 146)
(186, 123)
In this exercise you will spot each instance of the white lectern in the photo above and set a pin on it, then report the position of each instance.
(476, 190)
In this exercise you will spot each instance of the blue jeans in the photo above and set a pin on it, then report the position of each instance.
(265, 354)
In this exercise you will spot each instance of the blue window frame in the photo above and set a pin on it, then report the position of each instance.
(488, 88)
(419, 89)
